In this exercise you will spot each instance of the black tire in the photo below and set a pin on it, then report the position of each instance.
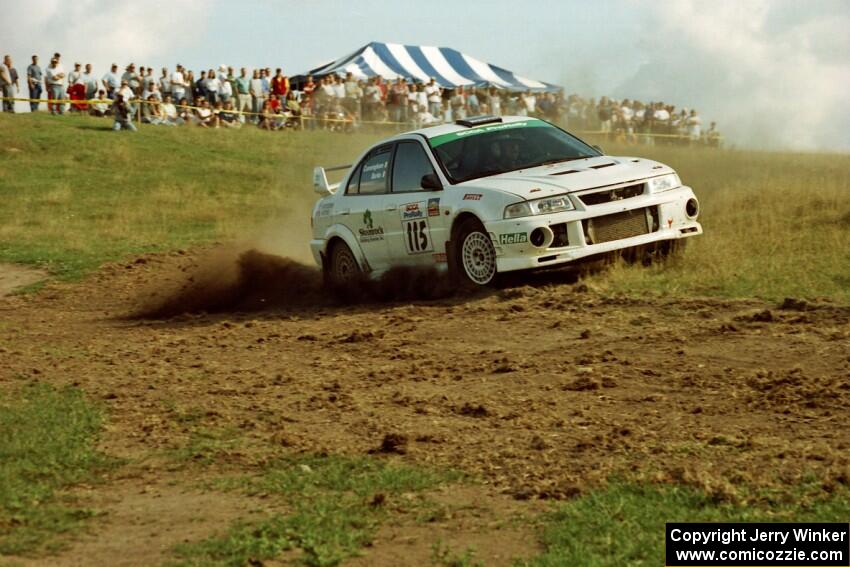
(341, 266)
(473, 254)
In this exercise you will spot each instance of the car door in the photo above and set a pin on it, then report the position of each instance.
(361, 207)
(416, 231)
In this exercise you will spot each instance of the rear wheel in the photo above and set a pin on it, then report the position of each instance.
(342, 265)
(475, 255)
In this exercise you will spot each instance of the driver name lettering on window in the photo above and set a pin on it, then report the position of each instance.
(376, 171)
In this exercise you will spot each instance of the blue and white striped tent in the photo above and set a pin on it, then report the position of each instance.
(449, 67)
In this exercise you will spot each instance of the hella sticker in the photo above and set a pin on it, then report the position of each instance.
(513, 238)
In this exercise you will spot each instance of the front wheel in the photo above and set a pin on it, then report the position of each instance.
(474, 253)
(342, 265)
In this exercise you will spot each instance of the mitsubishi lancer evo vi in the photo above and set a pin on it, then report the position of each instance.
(489, 195)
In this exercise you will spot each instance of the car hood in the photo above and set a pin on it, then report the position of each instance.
(566, 177)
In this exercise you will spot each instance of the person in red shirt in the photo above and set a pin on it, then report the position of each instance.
(274, 102)
(379, 82)
(280, 84)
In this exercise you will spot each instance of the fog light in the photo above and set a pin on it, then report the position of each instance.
(541, 237)
(692, 208)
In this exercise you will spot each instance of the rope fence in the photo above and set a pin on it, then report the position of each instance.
(302, 118)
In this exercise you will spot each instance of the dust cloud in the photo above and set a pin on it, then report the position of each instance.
(239, 280)
(774, 75)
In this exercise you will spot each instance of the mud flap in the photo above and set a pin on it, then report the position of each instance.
(451, 258)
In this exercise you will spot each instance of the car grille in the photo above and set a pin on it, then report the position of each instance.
(617, 226)
(618, 194)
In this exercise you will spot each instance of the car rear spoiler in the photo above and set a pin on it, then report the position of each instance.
(320, 179)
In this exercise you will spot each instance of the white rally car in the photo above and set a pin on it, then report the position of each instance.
(489, 195)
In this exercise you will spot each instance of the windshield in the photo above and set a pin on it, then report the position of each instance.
(489, 150)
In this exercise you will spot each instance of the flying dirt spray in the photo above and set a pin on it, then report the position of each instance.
(233, 279)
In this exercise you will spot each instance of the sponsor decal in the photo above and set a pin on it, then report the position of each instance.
(669, 223)
(434, 207)
(411, 211)
(326, 209)
(536, 190)
(417, 236)
(370, 233)
(513, 238)
(452, 136)
(440, 258)
(472, 197)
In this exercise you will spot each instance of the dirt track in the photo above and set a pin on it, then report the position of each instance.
(542, 391)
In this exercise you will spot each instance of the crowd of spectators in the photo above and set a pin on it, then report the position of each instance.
(227, 98)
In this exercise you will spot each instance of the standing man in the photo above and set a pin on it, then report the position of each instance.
(279, 84)
(353, 94)
(164, 83)
(307, 107)
(256, 90)
(200, 87)
(178, 84)
(212, 87)
(234, 88)
(111, 81)
(8, 81)
(34, 80)
(225, 89)
(74, 76)
(54, 78)
(694, 124)
(243, 93)
(435, 98)
(398, 98)
(339, 88)
(133, 80)
(90, 82)
(371, 100)
(76, 91)
(265, 76)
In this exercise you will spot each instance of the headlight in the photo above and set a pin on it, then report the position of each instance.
(664, 183)
(518, 210)
(539, 207)
(551, 205)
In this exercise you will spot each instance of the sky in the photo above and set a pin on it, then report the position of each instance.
(772, 73)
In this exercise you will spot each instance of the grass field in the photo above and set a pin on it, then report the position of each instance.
(47, 444)
(76, 194)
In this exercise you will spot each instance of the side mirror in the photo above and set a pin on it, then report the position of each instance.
(432, 182)
(598, 149)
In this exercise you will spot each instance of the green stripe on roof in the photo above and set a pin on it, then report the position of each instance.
(452, 136)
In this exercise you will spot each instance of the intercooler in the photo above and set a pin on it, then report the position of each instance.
(620, 225)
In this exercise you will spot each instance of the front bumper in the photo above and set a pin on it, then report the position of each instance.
(666, 219)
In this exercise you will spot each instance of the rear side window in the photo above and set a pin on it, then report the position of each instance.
(410, 164)
(375, 172)
(353, 182)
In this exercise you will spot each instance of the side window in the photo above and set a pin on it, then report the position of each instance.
(353, 182)
(373, 178)
(410, 164)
